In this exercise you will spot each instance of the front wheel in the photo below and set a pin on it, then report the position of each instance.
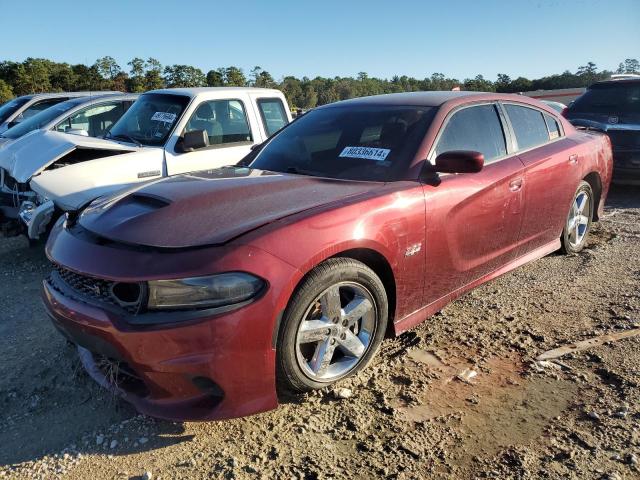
(332, 327)
(574, 235)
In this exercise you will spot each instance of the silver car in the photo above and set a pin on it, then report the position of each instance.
(90, 116)
(21, 108)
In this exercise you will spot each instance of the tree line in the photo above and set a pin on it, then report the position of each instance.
(36, 75)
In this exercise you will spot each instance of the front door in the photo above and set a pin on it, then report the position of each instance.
(473, 219)
(228, 126)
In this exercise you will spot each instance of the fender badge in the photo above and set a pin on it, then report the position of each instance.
(413, 249)
(613, 120)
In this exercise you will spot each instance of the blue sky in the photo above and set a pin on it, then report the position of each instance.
(459, 38)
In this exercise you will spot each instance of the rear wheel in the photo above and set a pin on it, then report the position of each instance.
(578, 224)
(332, 327)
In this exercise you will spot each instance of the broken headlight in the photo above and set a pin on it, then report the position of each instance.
(203, 292)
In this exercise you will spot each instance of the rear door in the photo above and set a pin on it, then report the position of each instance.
(552, 173)
(473, 219)
(232, 129)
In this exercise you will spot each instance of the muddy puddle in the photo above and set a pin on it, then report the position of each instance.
(492, 404)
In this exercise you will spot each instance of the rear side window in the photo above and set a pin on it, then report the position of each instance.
(273, 114)
(40, 106)
(552, 125)
(225, 121)
(529, 126)
(474, 128)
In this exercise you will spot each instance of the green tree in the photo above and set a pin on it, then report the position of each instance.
(107, 67)
(503, 83)
(215, 78)
(6, 92)
(184, 76)
(136, 75)
(87, 78)
(153, 75)
(234, 77)
(62, 77)
(32, 76)
(631, 65)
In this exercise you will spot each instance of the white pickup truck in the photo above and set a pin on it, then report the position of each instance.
(165, 132)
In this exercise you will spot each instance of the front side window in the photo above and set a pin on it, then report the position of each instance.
(273, 114)
(475, 128)
(9, 108)
(225, 122)
(368, 142)
(95, 120)
(150, 120)
(528, 125)
(40, 120)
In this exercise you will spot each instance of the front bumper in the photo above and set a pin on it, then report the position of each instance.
(211, 368)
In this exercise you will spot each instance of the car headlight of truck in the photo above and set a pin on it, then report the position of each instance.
(224, 289)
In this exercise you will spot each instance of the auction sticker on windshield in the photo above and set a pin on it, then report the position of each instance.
(368, 153)
(164, 117)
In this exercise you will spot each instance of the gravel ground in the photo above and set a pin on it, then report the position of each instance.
(461, 396)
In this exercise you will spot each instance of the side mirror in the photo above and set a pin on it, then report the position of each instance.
(78, 131)
(459, 161)
(195, 140)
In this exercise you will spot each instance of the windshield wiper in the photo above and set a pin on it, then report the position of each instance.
(124, 136)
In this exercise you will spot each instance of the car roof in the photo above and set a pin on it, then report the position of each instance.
(194, 92)
(616, 81)
(433, 99)
(98, 98)
(73, 94)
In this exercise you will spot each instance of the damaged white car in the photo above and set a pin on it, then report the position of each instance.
(165, 132)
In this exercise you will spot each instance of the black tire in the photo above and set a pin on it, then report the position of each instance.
(335, 271)
(568, 239)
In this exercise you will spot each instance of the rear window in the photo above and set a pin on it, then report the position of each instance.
(529, 126)
(609, 98)
(356, 142)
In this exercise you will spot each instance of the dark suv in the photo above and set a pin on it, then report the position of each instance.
(613, 106)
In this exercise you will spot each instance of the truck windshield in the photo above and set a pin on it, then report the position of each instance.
(9, 108)
(41, 119)
(610, 99)
(374, 143)
(150, 119)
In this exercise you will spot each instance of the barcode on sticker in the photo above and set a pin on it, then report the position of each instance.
(163, 117)
(368, 153)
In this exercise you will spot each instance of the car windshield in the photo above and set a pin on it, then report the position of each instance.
(610, 98)
(40, 120)
(8, 109)
(150, 119)
(371, 143)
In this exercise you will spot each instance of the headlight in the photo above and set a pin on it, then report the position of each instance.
(203, 292)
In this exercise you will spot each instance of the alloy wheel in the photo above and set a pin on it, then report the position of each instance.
(336, 331)
(579, 216)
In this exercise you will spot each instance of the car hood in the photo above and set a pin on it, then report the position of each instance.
(210, 208)
(30, 154)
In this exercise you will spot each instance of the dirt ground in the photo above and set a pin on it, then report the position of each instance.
(417, 412)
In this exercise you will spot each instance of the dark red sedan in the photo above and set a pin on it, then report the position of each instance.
(201, 296)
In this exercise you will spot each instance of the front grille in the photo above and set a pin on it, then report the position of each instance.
(128, 296)
(624, 138)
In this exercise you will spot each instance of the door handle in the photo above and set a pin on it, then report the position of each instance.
(573, 159)
(515, 184)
